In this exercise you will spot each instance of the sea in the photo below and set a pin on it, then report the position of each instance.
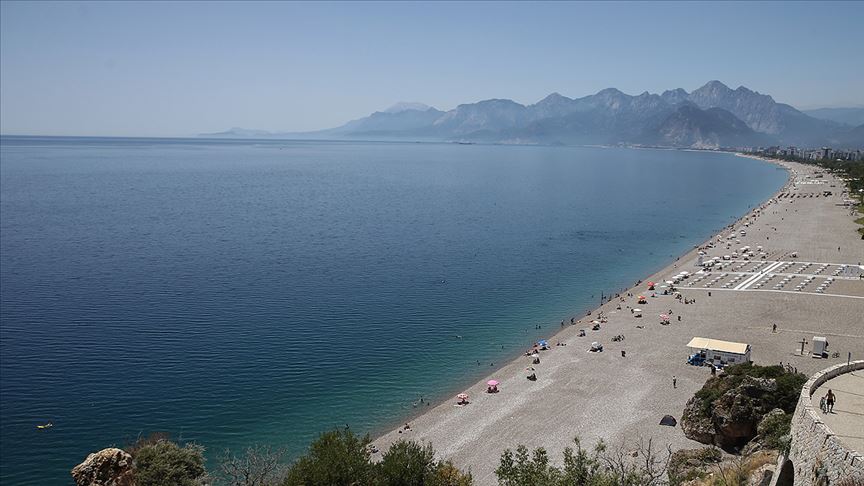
(241, 292)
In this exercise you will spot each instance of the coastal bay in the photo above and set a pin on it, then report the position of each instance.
(620, 399)
(233, 293)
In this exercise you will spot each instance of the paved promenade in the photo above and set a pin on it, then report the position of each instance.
(847, 419)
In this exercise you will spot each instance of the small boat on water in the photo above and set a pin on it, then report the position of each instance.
(45, 426)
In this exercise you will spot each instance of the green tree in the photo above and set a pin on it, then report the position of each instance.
(446, 474)
(407, 463)
(522, 469)
(164, 463)
(338, 457)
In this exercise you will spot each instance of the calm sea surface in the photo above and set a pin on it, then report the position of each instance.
(233, 293)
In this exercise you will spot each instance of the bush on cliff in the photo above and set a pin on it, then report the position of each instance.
(728, 408)
(337, 457)
(340, 457)
(408, 463)
(785, 397)
(774, 431)
(162, 462)
(643, 466)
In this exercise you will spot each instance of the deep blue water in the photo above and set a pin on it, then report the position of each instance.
(240, 292)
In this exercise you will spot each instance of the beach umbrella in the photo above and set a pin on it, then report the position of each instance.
(492, 382)
(637, 310)
(665, 317)
(685, 273)
(462, 396)
(641, 297)
(542, 342)
(669, 282)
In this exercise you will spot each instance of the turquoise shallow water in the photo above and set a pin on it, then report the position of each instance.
(240, 292)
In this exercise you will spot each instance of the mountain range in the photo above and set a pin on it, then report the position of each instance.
(712, 116)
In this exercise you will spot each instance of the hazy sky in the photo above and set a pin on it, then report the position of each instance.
(178, 69)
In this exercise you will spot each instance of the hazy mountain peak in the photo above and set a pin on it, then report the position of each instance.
(554, 97)
(407, 105)
(610, 92)
(714, 85)
(675, 96)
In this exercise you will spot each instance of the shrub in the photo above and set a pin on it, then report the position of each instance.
(258, 466)
(338, 457)
(446, 474)
(524, 470)
(602, 467)
(774, 431)
(407, 463)
(163, 462)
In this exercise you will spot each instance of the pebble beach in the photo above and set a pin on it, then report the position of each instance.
(806, 238)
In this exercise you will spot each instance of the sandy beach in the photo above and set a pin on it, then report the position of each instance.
(621, 399)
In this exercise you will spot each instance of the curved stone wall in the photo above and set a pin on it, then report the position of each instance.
(817, 456)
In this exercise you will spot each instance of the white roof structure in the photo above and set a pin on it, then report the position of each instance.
(718, 345)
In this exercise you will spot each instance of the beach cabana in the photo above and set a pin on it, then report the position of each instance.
(715, 351)
(820, 347)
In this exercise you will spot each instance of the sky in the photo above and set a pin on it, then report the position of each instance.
(179, 69)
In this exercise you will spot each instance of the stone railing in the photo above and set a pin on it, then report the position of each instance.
(816, 456)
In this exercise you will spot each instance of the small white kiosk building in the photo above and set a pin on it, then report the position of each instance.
(720, 352)
(820, 347)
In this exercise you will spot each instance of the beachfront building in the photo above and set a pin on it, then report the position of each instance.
(717, 352)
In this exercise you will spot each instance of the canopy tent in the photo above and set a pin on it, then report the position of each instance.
(718, 345)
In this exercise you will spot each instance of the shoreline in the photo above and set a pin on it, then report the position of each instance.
(604, 396)
(378, 433)
(379, 436)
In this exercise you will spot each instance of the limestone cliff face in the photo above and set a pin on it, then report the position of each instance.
(108, 467)
(734, 417)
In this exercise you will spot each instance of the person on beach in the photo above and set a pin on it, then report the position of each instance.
(829, 400)
(674, 381)
(774, 328)
(823, 404)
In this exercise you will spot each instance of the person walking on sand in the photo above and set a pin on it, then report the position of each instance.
(822, 404)
(675, 382)
(830, 399)
(774, 328)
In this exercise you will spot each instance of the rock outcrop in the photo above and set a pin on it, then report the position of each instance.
(108, 467)
(733, 417)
